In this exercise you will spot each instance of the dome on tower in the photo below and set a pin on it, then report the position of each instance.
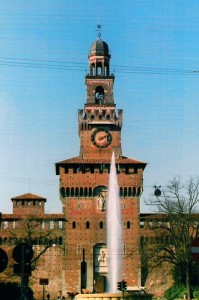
(99, 47)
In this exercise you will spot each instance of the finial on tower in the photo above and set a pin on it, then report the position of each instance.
(98, 29)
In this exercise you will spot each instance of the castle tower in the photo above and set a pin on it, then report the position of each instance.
(84, 185)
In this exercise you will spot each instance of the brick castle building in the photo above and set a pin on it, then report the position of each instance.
(76, 238)
(84, 184)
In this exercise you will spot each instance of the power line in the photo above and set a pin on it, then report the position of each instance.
(79, 66)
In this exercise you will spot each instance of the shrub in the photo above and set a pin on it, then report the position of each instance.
(175, 292)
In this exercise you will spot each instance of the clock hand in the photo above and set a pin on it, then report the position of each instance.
(102, 137)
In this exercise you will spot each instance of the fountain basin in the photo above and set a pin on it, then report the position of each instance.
(101, 296)
(112, 296)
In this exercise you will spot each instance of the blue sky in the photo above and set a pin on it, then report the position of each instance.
(43, 58)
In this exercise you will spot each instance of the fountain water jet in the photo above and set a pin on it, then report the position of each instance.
(114, 231)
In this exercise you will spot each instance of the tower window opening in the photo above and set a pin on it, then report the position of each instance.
(101, 225)
(87, 224)
(105, 70)
(121, 192)
(90, 192)
(128, 224)
(73, 225)
(101, 169)
(99, 95)
(92, 70)
(99, 69)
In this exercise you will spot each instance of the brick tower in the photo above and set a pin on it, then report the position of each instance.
(84, 185)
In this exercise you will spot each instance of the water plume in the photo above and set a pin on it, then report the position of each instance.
(114, 231)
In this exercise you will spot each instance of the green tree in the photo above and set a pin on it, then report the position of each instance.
(177, 226)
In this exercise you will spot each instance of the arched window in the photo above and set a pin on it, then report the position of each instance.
(134, 192)
(125, 192)
(92, 69)
(138, 191)
(72, 192)
(128, 224)
(87, 224)
(90, 191)
(62, 192)
(99, 69)
(99, 95)
(73, 225)
(101, 224)
(121, 192)
(129, 191)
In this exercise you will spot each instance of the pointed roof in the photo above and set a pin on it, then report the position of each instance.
(29, 196)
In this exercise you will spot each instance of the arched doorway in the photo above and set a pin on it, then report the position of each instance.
(100, 268)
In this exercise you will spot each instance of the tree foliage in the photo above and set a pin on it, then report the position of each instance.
(177, 226)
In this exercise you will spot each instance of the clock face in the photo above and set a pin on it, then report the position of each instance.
(101, 138)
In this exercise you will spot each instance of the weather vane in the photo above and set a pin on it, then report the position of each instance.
(98, 29)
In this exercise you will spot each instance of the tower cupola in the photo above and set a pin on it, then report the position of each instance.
(100, 48)
(99, 57)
